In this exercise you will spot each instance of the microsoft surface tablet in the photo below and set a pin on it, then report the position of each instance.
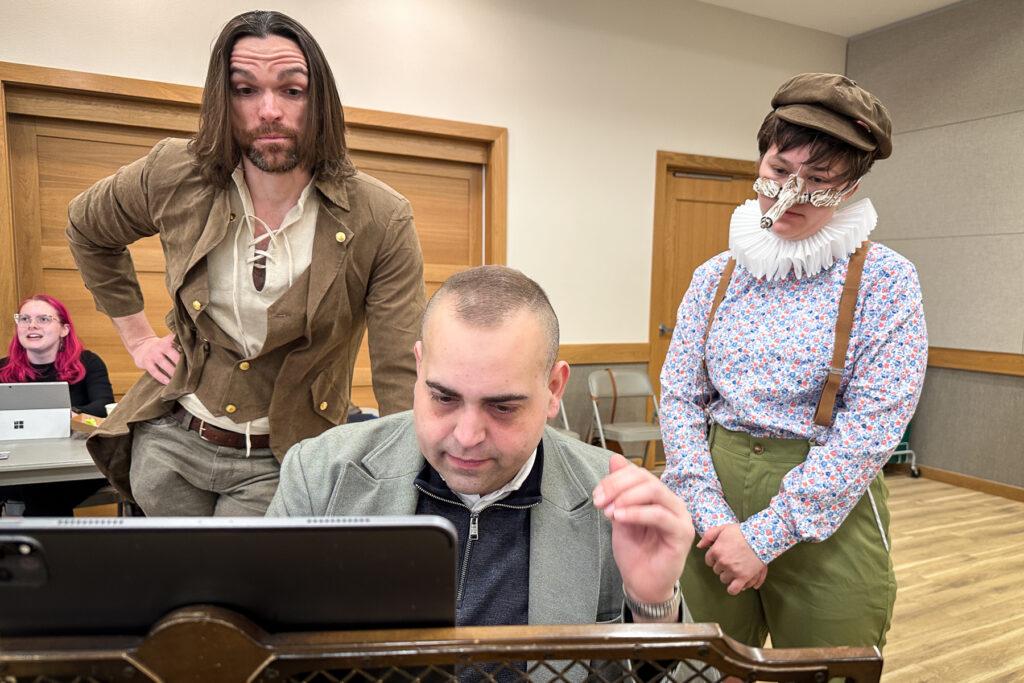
(34, 410)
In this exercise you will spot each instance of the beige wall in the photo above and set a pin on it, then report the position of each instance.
(950, 199)
(589, 90)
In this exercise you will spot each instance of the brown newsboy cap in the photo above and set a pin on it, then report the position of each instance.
(838, 106)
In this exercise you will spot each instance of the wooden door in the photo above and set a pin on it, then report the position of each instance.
(694, 202)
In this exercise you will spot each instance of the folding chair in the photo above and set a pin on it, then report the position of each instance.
(564, 429)
(620, 384)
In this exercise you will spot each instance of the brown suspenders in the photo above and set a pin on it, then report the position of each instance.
(723, 285)
(844, 324)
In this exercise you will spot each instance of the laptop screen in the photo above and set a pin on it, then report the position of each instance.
(34, 410)
(34, 396)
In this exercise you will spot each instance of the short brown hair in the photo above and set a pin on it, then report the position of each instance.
(825, 150)
(486, 296)
(321, 148)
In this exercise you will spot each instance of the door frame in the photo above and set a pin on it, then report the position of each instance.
(666, 164)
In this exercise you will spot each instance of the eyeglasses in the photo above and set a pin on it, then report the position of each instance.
(41, 320)
(829, 197)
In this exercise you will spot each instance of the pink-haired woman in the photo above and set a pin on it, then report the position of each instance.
(45, 348)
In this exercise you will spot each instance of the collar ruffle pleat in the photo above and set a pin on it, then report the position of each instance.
(766, 255)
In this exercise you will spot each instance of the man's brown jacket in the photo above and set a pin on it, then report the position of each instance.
(367, 270)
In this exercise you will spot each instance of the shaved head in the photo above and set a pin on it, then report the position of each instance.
(487, 296)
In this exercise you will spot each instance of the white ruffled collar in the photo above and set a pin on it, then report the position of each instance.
(766, 255)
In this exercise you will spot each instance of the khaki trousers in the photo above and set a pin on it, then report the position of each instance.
(834, 593)
(174, 473)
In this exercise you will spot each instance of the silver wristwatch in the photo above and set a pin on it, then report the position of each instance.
(655, 610)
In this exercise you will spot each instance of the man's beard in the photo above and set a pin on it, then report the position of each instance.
(274, 158)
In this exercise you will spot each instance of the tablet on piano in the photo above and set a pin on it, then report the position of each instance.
(121, 575)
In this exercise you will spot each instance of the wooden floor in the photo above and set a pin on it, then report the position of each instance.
(959, 558)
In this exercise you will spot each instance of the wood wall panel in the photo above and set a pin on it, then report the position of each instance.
(65, 130)
(415, 145)
(72, 106)
(96, 330)
(53, 163)
(447, 200)
(25, 201)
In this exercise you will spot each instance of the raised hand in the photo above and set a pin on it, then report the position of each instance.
(651, 530)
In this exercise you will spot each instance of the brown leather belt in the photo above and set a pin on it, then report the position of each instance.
(216, 435)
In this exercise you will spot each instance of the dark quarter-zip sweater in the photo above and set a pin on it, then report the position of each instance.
(494, 548)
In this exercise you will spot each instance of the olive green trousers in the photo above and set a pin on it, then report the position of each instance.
(834, 593)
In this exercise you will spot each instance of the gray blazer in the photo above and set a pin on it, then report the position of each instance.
(368, 468)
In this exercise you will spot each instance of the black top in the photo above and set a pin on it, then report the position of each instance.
(494, 558)
(494, 547)
(89, 396)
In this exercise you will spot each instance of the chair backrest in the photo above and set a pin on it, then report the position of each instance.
(628, 384)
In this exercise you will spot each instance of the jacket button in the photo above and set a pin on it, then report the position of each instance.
(340, 236)
(758, 449)
(243, 366)
(323, 405)
(230, 408)
(231, 216)
(197, 305)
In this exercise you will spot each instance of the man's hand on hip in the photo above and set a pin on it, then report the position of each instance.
(159, 356)
(651, 530)
(731, 557)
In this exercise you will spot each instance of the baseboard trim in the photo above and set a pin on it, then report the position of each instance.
(966, 481)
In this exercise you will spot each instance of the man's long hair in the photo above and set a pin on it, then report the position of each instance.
(68, 362)
(321, 147)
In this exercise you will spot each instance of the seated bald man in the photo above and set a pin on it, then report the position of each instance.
(551, 530)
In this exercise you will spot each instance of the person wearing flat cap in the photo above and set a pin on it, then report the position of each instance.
(795, 366)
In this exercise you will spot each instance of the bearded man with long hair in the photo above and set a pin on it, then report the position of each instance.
(279, 253)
